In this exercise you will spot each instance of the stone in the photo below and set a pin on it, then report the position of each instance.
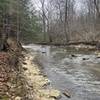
(18, 98)
(67, 94)
(85, 58)
(49, 93)
(73, 55)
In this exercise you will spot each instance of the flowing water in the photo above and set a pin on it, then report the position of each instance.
(72, 71)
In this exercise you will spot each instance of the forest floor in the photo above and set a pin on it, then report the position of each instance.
(11, 80)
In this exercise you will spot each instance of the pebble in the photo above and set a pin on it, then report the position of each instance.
(18, 98)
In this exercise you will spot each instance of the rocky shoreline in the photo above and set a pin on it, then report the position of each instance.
(36, 81)
(21, 79)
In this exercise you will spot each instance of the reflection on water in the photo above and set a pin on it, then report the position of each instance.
(78, 74)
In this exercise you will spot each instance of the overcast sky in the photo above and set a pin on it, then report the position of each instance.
(78, 6)
(36, 4)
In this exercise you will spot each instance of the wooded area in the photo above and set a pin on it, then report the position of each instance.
(53, 21)
(73, 62)
(71, 20)
(17, 20)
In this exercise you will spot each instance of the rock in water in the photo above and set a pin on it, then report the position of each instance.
(67, 94)
(85, 58)
(73, 55)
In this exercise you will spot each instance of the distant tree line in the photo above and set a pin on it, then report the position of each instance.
(70, 20)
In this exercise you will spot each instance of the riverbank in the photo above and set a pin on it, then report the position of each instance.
(75, 47)
(20, 76)
(21, 79)
(36, 81)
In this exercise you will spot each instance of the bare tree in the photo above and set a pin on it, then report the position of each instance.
(70, 20)
(97, 4)
(43, 17)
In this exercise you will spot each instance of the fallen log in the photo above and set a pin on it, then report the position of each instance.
(91, 43)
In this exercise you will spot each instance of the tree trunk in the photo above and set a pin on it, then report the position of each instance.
(66, 22)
